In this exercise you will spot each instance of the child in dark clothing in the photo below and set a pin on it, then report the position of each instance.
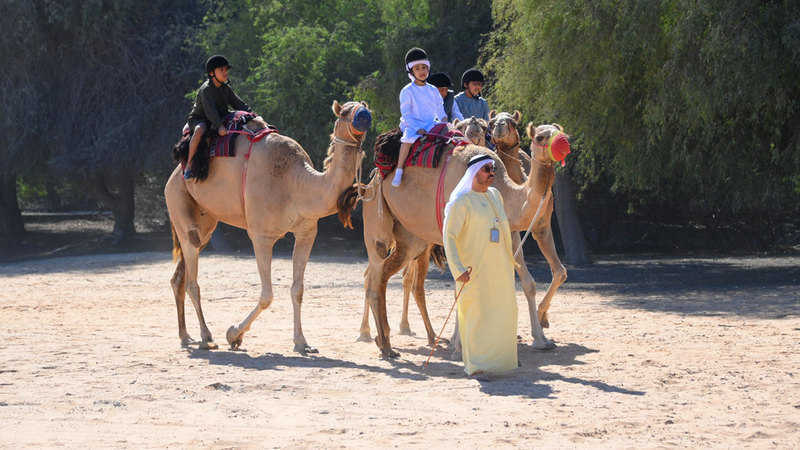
(211, 106)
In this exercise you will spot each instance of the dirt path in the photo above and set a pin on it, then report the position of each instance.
(651, 353)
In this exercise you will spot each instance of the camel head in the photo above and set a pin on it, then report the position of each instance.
(353, 121)
(548, 143)
(503, 127)
(474, 129)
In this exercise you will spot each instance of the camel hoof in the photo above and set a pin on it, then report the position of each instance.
(406, 331)
(546, 346)
(208, 345)
(391, 354)
(187, 341)
(305, 349)
(456, 356)
(443, 341)
(364, 337)
(233, 337)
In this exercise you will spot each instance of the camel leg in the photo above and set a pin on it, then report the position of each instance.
(455, 342)
(178, 283)
(364, 334)
(193, 289)
(422, 265)
(303, 241)
(548, 247)
(406, 244)
(540, 342)
(409, 280)
(391, 266)
(378, 306)
(191, 230)
(262, 246)
(378, 241)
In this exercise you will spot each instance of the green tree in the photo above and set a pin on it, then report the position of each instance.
(681, 106)
(115, 102)
(22, 101)
(293, 60)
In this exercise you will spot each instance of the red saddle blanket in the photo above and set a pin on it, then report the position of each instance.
(235, 123)
(426, 151)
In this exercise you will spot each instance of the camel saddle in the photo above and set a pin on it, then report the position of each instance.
(426, 151)
(235, 123)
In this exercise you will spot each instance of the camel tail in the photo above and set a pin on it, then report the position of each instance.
(177, 253)
(347, 203)
(438, 257)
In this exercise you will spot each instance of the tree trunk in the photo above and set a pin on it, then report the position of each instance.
(11, 223)
(52, 201)
(569, 226)
(121, 204)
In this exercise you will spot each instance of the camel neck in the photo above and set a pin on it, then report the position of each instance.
(521, 200)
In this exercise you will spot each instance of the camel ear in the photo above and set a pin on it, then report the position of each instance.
(531, 130)
(365, 104)
(517, 116)
(492, 113)
(455, 122)
(483, 123)
(336, 108)
(560, 128)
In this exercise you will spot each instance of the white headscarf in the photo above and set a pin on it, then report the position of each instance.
(410, 74)
(465, 185)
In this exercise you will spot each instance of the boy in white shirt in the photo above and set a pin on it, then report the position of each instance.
(421, 106)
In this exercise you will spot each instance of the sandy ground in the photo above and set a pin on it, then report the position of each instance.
(661, 352)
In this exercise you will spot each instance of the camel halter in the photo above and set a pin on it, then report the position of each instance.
(358, 137)
(548, 150)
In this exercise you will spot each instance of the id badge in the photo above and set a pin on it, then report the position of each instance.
(494, 235)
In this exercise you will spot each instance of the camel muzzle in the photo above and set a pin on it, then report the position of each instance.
(361, 121)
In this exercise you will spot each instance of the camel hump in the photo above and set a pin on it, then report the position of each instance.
(282, 153)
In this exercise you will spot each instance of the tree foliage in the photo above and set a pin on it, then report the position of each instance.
(692, 105)
(294, 58)
(679, 107)
(98, 87)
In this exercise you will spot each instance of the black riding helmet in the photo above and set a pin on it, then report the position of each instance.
(215, 62)
(472, 75)
(414, 55)
(440, 80)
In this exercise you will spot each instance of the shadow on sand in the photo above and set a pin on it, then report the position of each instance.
(530, 380)
(758, 287)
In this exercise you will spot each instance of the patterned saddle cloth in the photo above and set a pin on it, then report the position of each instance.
(426, 151)
(235, 123)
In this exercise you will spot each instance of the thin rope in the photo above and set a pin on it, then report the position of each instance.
(439, 336)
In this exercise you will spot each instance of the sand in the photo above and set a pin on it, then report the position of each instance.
(652, 352)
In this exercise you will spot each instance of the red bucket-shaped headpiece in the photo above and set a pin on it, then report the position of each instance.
(558, 147)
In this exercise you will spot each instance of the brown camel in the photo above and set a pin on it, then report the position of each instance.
(416, 271)
(474, 129)
(506, 139)
(395, 230)
(275, 191)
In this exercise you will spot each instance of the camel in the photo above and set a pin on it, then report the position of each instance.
(474, 129)
(506, 139)
(275, 191)
(417, 269)
(395, 231)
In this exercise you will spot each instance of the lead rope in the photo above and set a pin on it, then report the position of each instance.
(469, 270)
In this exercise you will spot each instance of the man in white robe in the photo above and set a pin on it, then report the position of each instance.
(477, 241)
